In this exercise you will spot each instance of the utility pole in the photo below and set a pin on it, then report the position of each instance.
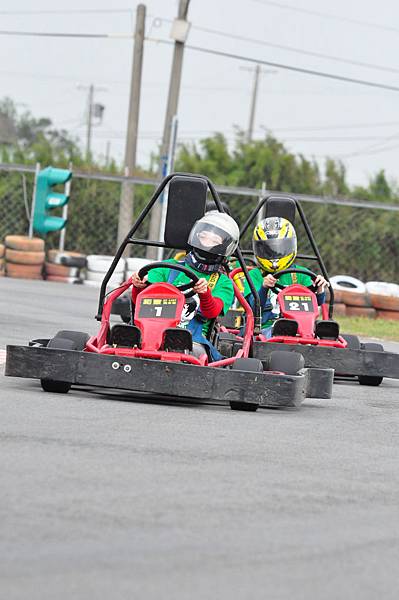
(253, 103)
(257, 71)
(89, 122)
(107, 153)
(179, 34)
(127, 191)
(93, 110)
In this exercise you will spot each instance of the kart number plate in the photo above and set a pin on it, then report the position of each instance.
(164, 308)
(298, 303)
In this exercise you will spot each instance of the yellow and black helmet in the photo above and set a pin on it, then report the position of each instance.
(274, 244)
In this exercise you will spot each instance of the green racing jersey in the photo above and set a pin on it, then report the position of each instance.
(221, 286)
(270, 310)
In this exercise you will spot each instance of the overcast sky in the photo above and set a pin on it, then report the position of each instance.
(311, 115)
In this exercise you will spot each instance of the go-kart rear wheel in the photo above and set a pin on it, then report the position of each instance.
(287, 362)
(251, 365)
(60, 343)
(369, 379)
(79, 338)
(59, 387)
(352, 341)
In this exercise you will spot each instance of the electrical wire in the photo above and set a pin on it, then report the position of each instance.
(67, 11)
(327, 15)
(67, 35)
(215, 53)
(296, 50)
(281, 66)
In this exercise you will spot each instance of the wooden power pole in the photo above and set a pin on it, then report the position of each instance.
(127, 193)
(171, 111)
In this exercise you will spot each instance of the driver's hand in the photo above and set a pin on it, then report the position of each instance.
(201, 287)
(137, 282)
(321, 284)
(269, 281)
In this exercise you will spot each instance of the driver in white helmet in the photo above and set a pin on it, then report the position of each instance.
(212, 239)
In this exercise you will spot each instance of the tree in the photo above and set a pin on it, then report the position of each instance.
(36, 140)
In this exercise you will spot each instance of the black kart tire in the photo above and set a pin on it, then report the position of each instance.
(64, 340)
(352, 340)
(251, 365)
(58, 387)
(369, 379)
(79, 338)
(50, 385)
(243, 406)
(287, 362)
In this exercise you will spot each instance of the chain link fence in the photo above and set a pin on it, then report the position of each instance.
(356, 238)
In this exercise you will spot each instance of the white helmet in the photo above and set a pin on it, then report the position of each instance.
(215, 235)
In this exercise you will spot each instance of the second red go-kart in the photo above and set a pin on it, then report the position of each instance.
(300, 329)
(152, 354)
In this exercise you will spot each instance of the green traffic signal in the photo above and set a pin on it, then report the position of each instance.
(45, 199)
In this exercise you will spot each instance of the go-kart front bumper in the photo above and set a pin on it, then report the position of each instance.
(344, 361)
(169, 379)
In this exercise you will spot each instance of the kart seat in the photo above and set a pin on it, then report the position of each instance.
(327, 330)
(127, 336)
(285, 327)
(176, 339)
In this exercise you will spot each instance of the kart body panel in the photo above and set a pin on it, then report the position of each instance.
(168, 379)
(344, 361)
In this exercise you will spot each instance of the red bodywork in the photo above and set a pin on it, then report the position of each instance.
(159, 307)
(297, 302)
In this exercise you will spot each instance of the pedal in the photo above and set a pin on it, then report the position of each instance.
(176, 339)
(327, 330)
(287, 327)
(127, 336)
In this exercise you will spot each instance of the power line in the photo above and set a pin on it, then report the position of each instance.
(327, 15)
(283, 66)
(67, 35)
(296, 50)
(373, 148)
(332, 127)
(215, 53)
(66, 11)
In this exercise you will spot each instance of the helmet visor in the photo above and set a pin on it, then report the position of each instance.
(211, 239)
(273, 249)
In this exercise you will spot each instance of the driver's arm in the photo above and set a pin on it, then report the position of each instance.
(210, 306)
(321, 283)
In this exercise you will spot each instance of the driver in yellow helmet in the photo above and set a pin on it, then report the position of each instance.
(274, 245)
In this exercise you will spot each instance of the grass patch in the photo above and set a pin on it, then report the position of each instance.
(376, 328)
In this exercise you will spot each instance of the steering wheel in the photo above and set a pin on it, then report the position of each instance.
(185, 288)
(278, 286)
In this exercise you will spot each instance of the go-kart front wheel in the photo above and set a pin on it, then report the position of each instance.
(64, 340)
(287, 362)
(251, 365)
(369, 379)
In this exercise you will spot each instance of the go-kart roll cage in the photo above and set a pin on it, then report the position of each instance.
(129, 239)
(316, 257)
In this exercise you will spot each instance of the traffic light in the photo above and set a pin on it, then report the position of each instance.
(45, 199)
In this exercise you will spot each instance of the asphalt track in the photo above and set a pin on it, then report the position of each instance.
(106, 497)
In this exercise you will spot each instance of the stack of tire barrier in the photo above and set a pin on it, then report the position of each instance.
(64, 266)
(353, 294)
(98, 265)
(375, 299)
(2, 267)
(339, 306)
(24, 257)
(135, 264)
(384, 298)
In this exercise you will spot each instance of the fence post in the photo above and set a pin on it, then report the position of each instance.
(32, 210)
(67, 192)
